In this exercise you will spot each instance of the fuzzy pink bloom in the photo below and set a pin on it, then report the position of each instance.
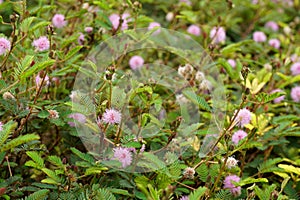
(123, 155)
(1, 126)
(232, 63)
(254, 1)
(78, 117)
(259, 36)
(295, 94)
(112, 116)
(187, 2)
(1, 1)
(194, 30)
(278, 99)
(80, 39)
(218, 35)
(4, 45)
(295, 58)
(295, 68)
(59, 21)
(152, 25)
(237, 136)
(38, 80)
(274, 43)
(115, 20)
(41, 44)
(228, 184)
(136, 62)
(243, 118)
(88, 29)
(272, 25)
(184, 198)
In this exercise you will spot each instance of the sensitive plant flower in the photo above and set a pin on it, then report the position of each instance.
(1, 126)
(243, 118)
(88, 29)
(41, 44)
(115, 20)
(73, 95)
(199, 76)
(238, 136)
(295, 68)
(8, 95)
(152, 25)
(143, 148)
(189, 173)
(274, 43)
(259, 36)
(278, 99)
(112, 116)
(38, 80)
(295, 94)
(228, 184)
(4, 45)
(123, 155)
(184, 198)
(78, 117)
(205, 85)
(232, 63)
(136, 62)
(231, 162)
(59, 21)
(218, 35)
(80, 39)
(194, 30)
(272, 25)
(53, 114)
(170, 16)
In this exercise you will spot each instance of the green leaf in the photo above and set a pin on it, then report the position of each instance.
(72, 52)
(250, 180)
(50, 181)
(36, 158)
(25, 25)
(52, 175)
(120, 191)
(37, 67)
(41, 194)
(55, 160)
(18, 141)
(197, 194)
(200, 101)
(7, 129)
(83, 156)
(43, 114)
(290, 168)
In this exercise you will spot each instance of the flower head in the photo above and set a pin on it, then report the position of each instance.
(272, 25)
(194, 30)
(184, 198)
(232, 63)
(111, 116)
(238, 136)
(231, 162)
(295, 94)
(78, 117)
(170, 16)
(189, 172)
(218, 35)
(53, 114)
(274, 43)
(243, 117)
(41, 44)
(152, 25)
(4, 45)
(38, 80)
(88, 29)
(295, 68)
(278, 99)
(136, 62)
(259, 36)
(123, 155)
(80, 39)
(1, 126)
(228, 184)
(115, 20)
(59, 21)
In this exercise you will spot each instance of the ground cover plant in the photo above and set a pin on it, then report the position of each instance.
(154, 100)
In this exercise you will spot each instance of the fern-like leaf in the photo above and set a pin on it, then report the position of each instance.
(38, 195)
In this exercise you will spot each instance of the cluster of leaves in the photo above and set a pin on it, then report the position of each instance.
(42, 157)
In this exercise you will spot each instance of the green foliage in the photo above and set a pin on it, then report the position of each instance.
(266, 193)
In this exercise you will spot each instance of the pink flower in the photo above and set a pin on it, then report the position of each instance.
(78, 117)
(152, 25)
(4, 45)
(238, 136)
(41, 44)
(136, 62)
(111, 116)
(1, 1)
(115, 20)
(295, 58)
(259, 36)
(194, 30)
(295, 68)
(218, 35)
(228, 184)
(80, 39)
(243, 117)
(59, 21)
(274, 43)
(1, 126)
(232, 63)
(88, 29)
(295, 94)
(184, 198)
(123, 155)
(278, 99)
(272, 25)
(38, 80)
